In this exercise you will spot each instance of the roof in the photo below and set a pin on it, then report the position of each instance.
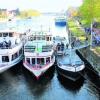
(40, 33)
(7, 30)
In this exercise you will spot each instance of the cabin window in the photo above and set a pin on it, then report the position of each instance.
(38, 60)
(33, 61)
(20, 51)
(0, 34)
(14, 56)
(47, 60)
(50, 38)
(47, 38)
(10, 34)
(5, 34)
(28, 60)
(38, 38)
(53, 38)
(5, 59)
(43, 38)
(34, 38)
(52, 57)
(42, 61)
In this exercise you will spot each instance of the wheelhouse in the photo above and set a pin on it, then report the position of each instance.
(40, 37)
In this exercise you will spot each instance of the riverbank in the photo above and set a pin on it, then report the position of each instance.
(90, 58)
(96, 50)
(3, 19)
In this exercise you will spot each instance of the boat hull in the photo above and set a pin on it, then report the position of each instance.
(74, 76)
(10, 64)
(39, 72)
(60, 23)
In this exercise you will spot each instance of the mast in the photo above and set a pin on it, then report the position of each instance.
(69, 39)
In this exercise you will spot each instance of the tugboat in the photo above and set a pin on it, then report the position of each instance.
(11, 49)
(70, 66)
(60, 21)
(39, 53)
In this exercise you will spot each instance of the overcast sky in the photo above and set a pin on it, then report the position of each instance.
(41, 5)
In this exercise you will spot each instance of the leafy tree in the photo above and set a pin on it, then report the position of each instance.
(90, 10)
(29, 13)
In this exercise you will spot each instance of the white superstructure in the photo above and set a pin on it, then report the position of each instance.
(38, 52)
(11, 49)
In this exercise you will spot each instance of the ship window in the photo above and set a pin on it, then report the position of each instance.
(38, 38)
(5, 34)
(47, 38)
(28, 60)
(14, 56)
(33, 60)
(42, 61)
(47, 60)
(43, 38)
(52, 57)
(34, 38)
(50, 38)
(20, 51)
(0, 34)
(10, 34)
(5, 59)
(38, 60)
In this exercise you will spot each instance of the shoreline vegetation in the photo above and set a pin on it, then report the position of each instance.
(29, 13)
(96, 50)
(76, 30)
(22, 15)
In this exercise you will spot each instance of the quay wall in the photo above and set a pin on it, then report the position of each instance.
(91, 59)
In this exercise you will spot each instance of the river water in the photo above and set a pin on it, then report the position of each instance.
(19, 84)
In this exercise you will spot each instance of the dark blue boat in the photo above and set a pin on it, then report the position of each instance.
(60, 21)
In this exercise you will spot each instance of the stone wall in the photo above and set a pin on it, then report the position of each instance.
(90, 57)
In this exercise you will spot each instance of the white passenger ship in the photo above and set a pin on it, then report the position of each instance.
(39, 53)
(11, 49)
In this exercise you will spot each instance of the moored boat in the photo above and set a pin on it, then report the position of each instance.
(11, 49)
(70, 67)
(60, 21)
(39, 53)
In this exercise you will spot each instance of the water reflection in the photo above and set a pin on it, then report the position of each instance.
(19, 84)
(93, 78)
(70, 85)
(93, 89)
(38, 88)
